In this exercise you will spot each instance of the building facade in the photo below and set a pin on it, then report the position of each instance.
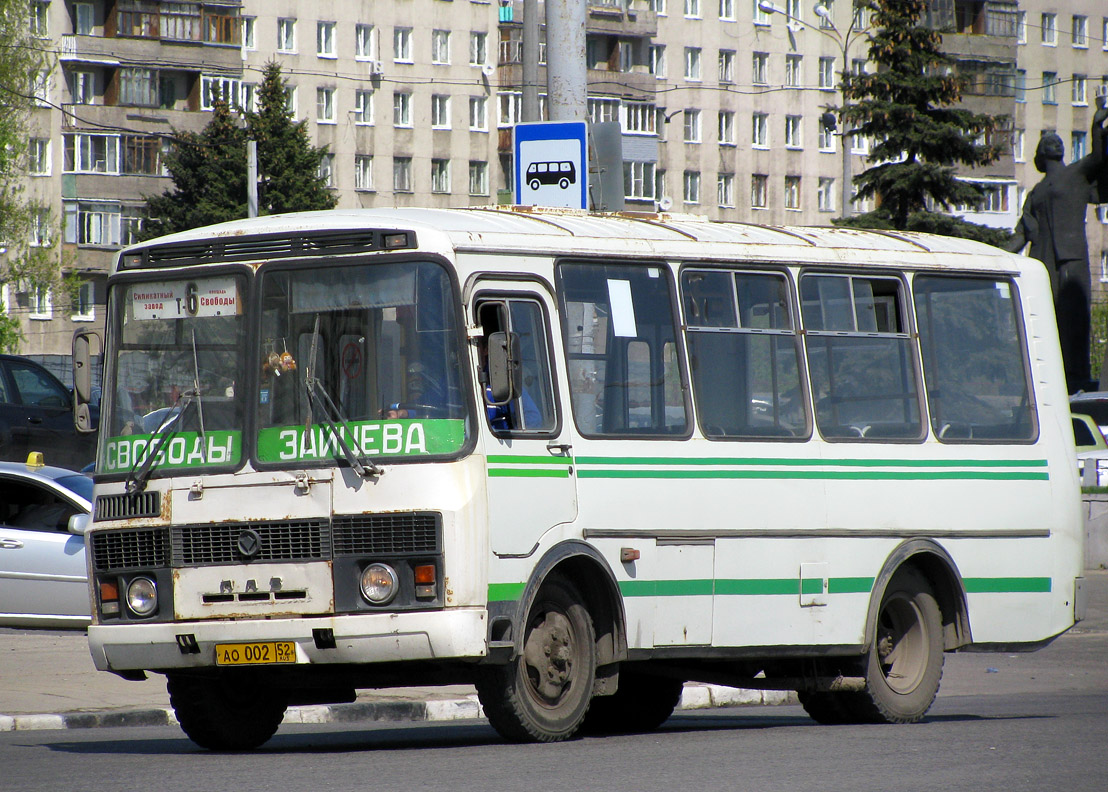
(725, 107)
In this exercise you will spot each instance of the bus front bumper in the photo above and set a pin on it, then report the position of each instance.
(363, 638)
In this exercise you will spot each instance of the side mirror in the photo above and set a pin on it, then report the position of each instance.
(82, 380)
(79, 524)
(505, 371)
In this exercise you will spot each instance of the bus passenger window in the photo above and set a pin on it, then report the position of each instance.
(861, 358)
(974, 359)
(743, 355)
(620, 336)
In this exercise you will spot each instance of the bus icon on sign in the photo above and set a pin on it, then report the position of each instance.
(561, 173)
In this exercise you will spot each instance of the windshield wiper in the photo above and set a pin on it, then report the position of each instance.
(199, 401)
(360, 463)
(136, 479)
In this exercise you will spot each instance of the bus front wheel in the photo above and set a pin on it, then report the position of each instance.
(224, 715)
(543, 694)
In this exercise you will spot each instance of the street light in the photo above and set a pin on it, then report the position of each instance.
(844, 43)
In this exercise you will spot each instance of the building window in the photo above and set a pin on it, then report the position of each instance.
(761, 16)
(290, 100)
(759, 66)
(792, 192)
(725, 190)
(363, 172)
(325, 39)
(692, 187)
(214, 89)
(365, 42)
(658, 7)
(91, 154)
(1078, 90)
(440, 111)
(792, 131)
(603, 110)
(440, 47)
(440, 176)
(1017, 145)
(759, 186)
(84, 306)
(41, 303)
(692, 126)
(1050, 80)
(249, 42)
(478, 178)
(92, 223)
(727, 10)
(825, 195)
(38, 156)
(692, 9)
(248, 97)
(826, 135)
(286, 35)
(40, 87)
(1021, 27)
(1049, 29)
(478, 48)
(325, 105)
(825, 20)
(827, 73)
(1080, 31)
(727, 127)
(363, 107)
(727, 66)
(1021, 85)
(658, 60)
(402, 174)
(327, 170)
(40, 19)
(692, 63)
(478, 114)
(793, 65)
(402, 45)
(1078, 147)
(142, 155)
(639, 118)
(760, 131)
(638, 180)
(82, 87)
(402, 109)
(511, 108)
(40, 228)
(83, 19)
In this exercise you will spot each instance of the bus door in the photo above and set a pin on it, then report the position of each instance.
(531, 480)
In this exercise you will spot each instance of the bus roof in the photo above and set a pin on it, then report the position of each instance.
(525, 229)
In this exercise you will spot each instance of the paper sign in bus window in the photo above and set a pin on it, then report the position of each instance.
(623, 309)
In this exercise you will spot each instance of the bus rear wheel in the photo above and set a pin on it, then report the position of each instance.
(641, 704)
(543, 694)
(225, 715)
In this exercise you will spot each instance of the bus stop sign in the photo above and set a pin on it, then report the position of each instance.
(552, 165)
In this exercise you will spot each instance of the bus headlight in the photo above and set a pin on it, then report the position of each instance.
(142, 596)
(379, 584)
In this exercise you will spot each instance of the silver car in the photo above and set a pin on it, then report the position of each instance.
(44, 512)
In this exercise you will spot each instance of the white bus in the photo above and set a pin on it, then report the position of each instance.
(575, 460)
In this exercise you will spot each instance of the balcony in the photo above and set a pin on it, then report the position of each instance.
(153, 53)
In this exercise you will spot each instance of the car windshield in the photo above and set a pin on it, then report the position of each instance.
(82, 485)
(361, 356)
(179, 356)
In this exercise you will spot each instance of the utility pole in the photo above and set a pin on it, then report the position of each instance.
(566, 84)
(531, 60)
(251, 178)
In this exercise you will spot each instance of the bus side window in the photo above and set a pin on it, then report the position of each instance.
(531, 410)
(861, 358)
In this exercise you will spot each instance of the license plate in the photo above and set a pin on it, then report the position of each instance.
(264, 653)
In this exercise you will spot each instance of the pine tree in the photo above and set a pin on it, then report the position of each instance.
(288, 163)
(209, 178)
(907, 107)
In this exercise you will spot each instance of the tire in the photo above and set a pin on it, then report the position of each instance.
(543, 694)
(223, 714)
(641, 704)
(905, 663)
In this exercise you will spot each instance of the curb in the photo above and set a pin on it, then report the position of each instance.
(693, 697)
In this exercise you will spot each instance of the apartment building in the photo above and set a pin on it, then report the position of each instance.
(724, 105)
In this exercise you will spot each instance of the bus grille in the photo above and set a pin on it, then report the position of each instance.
(126, 507)
(132, 549)
(364, 534)
(292, 540)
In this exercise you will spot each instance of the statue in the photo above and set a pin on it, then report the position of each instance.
(1053, 223)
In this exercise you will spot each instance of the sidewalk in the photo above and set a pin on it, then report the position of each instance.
(47, 681)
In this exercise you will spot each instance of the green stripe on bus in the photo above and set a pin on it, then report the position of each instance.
(850, 585)
(499, 459)
(1012, 585)
(837, 475)
(505, 592)
(666, 588)
(527, 473)
(794, 462)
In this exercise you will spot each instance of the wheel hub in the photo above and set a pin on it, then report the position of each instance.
(548, 654)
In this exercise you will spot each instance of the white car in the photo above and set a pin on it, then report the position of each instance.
(44, 512)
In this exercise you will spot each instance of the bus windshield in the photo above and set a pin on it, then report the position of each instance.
(361, 356)
(173, 380)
